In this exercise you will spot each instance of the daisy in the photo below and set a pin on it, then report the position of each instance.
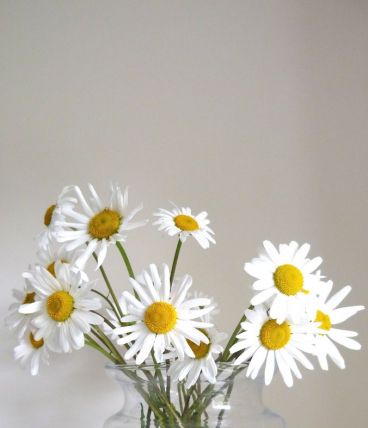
(203, 361)
(53, 215)
(100, 225)
(32, 351)
(181, 221)
(162, 318)
(263, 340)
(328, 314)
(284, 279)
(15, 320)
(64, 309)
(54, 252)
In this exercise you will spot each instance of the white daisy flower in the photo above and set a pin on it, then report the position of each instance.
(284, 279)
(100, 225)
(264, 340)
(328, 315)
(54, 252)
(162, 317)
(15, 320)
(32, 351)
(64, 309)
(181, 221)
(53, 215)
(203, 361)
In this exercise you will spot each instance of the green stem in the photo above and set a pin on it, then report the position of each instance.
(148, 417)
(175, 261)
(107, 300)
(230, 343)
(168, 381)
(93, 344)
(111, 291)
(180, 398)
(227, 396)
(125, 258)
(107, 342)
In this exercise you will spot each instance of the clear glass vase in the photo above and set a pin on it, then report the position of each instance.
(151, 399)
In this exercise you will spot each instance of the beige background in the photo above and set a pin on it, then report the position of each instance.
(253, 110)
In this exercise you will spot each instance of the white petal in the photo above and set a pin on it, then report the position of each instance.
(135, 347)
(146, 348)
(246, 354)
(312, 265)
(284, 369)
(272, 252)
(301, 254)
(298, 355)
(141, 293)
(337, 298)
(334, 353)
(83, 202)
(289, 360)
(101, 253)
(31, 308)
(262, 296)
(270, 367)
(256, 362)
(341, 314)
(345, 341)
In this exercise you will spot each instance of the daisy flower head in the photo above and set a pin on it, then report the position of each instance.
(31, 351)
(328, 314)
(284, 279)
(162, 319)
(100, 225)
(203, 361)
(181, 221)
(53, 215)
(15, 320)
(263, 340)
(64, 312)
(54, 252)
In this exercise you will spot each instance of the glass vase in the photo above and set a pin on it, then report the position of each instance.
(152, 399)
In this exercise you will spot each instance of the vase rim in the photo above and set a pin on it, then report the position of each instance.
(150, 366)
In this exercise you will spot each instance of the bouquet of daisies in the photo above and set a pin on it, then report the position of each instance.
(157, 318)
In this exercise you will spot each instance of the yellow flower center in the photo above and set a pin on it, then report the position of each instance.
(160, 317)
(48, 215)
(201, 350)
(289, 280)
(35, 343)
(51, 267)
(185, 222)
(324, 319)
(275, 336)
(29, 298)
(104, 224)
(60, 305)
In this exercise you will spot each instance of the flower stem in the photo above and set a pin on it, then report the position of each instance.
(175, 261)
(222, 412)
(111, 291)
(93, 344)
(125, 258)
(232, 340)
(107, 342)
(107, 300)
